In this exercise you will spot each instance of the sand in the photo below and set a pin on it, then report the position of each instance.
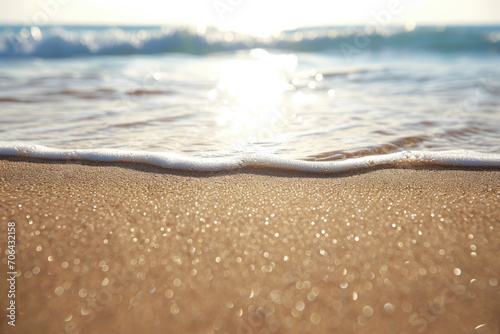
(134, 249)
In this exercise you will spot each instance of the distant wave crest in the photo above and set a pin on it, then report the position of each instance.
(61, 42)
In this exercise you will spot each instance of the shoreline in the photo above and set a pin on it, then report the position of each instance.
(175, 162)
(114, 249)
(250, 170)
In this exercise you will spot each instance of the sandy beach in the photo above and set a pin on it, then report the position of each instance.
(130, 248)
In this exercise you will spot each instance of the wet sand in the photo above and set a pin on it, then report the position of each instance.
(128, 249)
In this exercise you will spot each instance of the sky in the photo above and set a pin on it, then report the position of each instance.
(252, 16)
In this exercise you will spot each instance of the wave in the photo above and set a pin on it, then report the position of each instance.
(61, 42)
(173, 161)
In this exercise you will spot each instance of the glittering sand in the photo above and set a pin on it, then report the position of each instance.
(131, 249)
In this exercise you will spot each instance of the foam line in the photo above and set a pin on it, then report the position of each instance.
(263, 161)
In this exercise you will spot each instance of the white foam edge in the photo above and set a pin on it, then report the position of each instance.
(179, 162)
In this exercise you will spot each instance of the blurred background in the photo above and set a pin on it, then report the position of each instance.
(256, 16)
(315, 80)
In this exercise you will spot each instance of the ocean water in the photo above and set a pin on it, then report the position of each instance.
(321, 98)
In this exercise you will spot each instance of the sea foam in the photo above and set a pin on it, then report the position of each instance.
(61, 42)
(174, 161)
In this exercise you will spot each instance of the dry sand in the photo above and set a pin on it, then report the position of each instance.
(131, 249)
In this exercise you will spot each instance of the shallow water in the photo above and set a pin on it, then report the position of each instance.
(299, 94)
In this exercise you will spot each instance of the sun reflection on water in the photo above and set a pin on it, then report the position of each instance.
(251, 93)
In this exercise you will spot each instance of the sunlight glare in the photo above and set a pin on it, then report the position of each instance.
(252, 92)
